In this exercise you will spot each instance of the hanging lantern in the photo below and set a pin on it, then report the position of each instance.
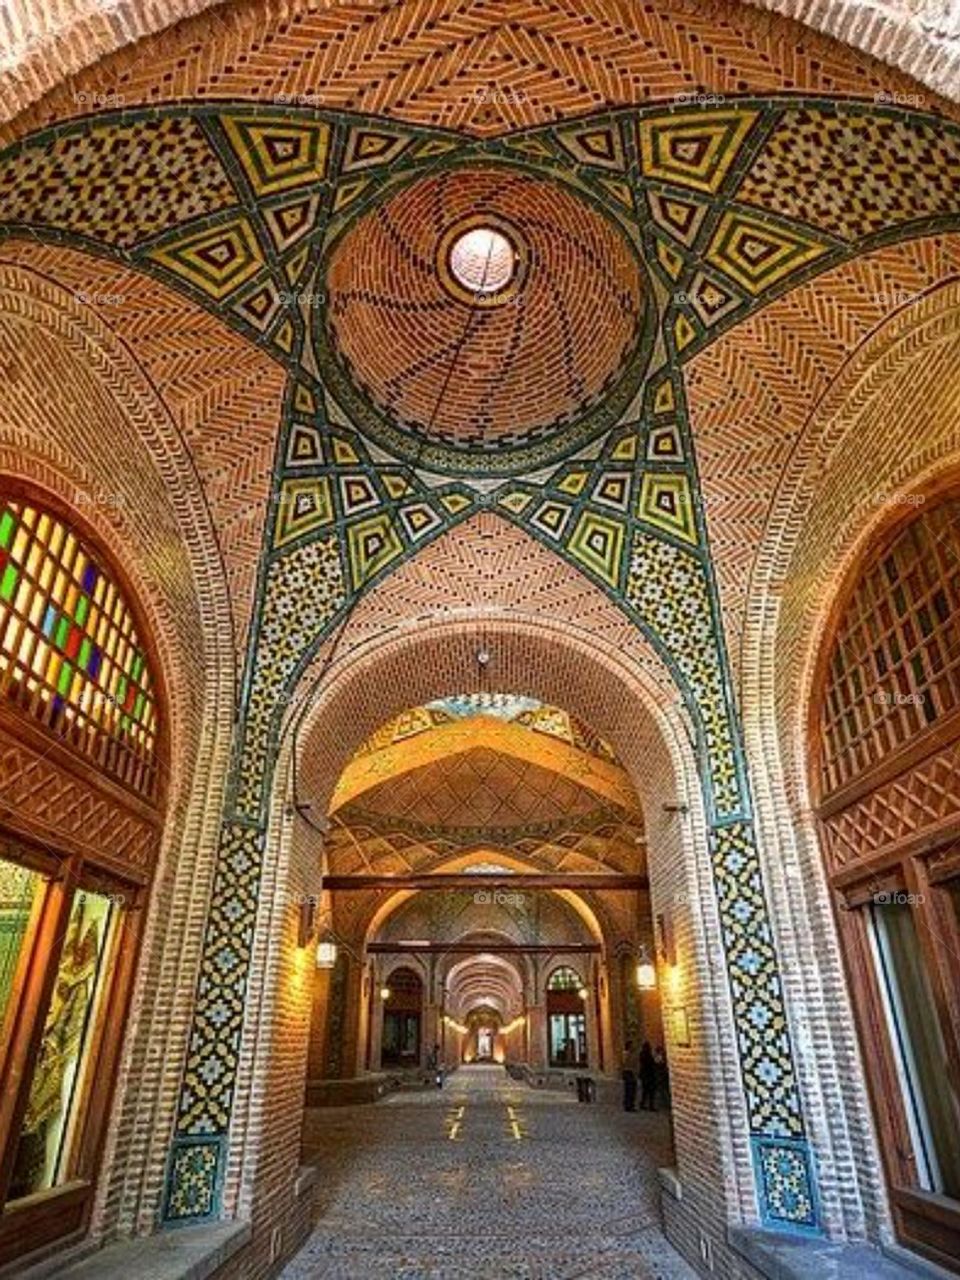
(646, 973)
(385, 993)
(326, 954)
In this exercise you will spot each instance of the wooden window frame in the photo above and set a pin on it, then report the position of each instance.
(61, 1214)
(916, 865)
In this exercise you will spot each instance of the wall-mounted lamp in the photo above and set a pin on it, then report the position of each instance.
(583, 993)
(385, 993)
(646, 972)
(326, 953)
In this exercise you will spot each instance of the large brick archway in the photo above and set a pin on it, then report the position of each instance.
(384, 676)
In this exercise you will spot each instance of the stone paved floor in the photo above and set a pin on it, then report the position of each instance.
(488, 1179)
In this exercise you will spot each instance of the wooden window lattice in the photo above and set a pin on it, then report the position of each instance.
(895, 665)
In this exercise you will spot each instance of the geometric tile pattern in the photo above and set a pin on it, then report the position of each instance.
(303, 591)
(668, 589)
(192, 1179)
(853, 173)
(217, 261)
(723, 208)
(276, 153)
(757, 255)
(787, 1183)
(765, 1054)
(205, 1099)
(117, 183)
(693, 149)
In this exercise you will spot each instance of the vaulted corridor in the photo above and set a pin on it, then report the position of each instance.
(486, 1178)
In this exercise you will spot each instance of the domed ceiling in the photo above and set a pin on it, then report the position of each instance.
(487, 370)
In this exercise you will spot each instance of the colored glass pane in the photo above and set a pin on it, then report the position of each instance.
(8, 582)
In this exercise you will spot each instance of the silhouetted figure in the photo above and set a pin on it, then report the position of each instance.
(629, 1077)
(648, 1078)
(434, 1065)
(662, 1073)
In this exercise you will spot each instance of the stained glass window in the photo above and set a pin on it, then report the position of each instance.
(564, 979)
(895, 666)
(69, 652)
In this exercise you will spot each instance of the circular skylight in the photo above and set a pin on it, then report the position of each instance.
(482, 260)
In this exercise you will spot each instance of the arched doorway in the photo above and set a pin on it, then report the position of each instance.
(634, 710)
(566, 1018)
(402, 1033)
(82, 712)
(886, 746)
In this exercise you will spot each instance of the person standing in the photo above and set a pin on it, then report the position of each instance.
(629, 1077)
(662, 1072)
(648, 1078)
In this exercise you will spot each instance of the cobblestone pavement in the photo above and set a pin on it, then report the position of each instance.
(490, 1179)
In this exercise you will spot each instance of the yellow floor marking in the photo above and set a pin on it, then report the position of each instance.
(514, 1124)
(456, 1122)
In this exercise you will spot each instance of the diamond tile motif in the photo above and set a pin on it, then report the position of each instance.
(757, 254)
(694, 149)
(726, 206)
(216, 261)
(278, 152)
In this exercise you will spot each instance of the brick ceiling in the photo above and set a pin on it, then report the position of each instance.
(526, 362)
(486, 68)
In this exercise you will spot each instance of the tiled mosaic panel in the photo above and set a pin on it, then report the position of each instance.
(192, 1180)
(118, 183)
(69, 652)
(811, 181)
(303, 591)
(766, 1058)
(787, 1182)
(668, 587)
(214, 1049)
(853, 173)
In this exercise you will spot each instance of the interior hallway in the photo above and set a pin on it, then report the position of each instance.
(488, 1178)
